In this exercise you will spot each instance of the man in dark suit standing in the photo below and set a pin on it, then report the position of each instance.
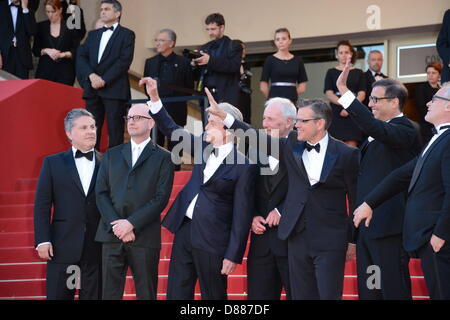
(211, 216)
(373, 73)
(393, 141)
(426, 226)
(220, 63)
(133, 188)
(443, 46)
(322, 173)
(267, 263)
(17, 25)
(66, 183)
(170, 69)
(102, 71)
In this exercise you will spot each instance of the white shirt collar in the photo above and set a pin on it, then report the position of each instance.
(224, 149)
(399, 116)
(74, 151)
(323, 143)
(9, 2)
(141, 145)
(441, 125)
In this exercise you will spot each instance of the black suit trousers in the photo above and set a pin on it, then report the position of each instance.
(314, 274)
(143, 263)
(115, 111)
(187, 264)
(267, 273)
(436, 270)
(14, 66)
(60, 287)
(388, 254)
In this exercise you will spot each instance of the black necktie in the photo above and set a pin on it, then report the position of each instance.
(88, 155)
(310, 147)
(108, 28)
(435, 131)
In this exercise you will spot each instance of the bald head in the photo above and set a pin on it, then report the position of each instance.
(139, 122)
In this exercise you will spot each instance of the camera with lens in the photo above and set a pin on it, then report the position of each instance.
(244, 82)
(191, 54)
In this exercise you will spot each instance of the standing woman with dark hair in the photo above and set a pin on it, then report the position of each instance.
(286, 72)
(342, 127)
(56, 46)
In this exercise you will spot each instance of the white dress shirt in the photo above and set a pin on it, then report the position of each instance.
(136, 150)
(85, 170)
(211, 166)
(433, 138)
(313, 160)
(104, 41)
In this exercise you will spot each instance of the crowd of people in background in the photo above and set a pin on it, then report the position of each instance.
(356, 152)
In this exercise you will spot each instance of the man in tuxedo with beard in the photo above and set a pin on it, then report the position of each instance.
(426, 179)
(393, 141)
(66, 239)
(373, 73)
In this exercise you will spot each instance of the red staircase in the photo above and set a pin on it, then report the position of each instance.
(22, 273)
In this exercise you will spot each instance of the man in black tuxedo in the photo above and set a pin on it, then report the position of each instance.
(443, 46)
(170, 69)
(220, 62)
(373, 73)
(322, 173)
(66, 239)
(393, 141)
(211, 216)
(426, 226)
(102, 71)
(133, 188)
(17, 25)
(267, 263)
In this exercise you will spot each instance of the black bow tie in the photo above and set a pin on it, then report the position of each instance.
(88, 155)
(108, 28)
(12, 4)
(310, 147)
(435, 131)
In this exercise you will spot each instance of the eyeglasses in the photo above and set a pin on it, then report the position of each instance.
(161, 40)
(433, 99)
(306, 120)
(135, 118)
(376, 99)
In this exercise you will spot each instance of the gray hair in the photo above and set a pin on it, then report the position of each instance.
(73, 115)
(232, 110)
(320, 107)
(172, 35)
(286, 107)
(116, 5)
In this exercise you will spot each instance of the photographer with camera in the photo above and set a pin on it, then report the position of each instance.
(219, 63)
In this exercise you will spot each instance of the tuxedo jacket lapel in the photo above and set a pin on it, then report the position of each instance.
(109, 44)
(297, 152)
(330, 160)
(98, 158)
(126, 152)
(421, 160)
(72, 169)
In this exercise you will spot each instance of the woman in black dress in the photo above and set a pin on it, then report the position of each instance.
(56, 46)
(286, 72)
(424, 92)
(342, 126)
